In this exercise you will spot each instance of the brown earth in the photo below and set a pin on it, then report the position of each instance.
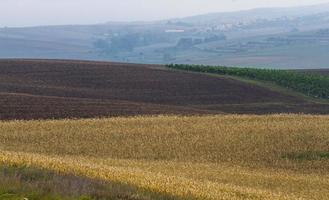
(51, 89)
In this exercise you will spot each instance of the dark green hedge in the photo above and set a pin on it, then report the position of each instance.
(309, 84)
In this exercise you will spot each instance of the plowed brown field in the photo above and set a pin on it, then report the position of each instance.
(43, 89)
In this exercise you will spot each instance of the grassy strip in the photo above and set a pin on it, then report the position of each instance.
(22, 182)
(309, 84)
(308, 155)
(274, 87)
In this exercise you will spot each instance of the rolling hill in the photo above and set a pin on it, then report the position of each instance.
(51, 89)
(200, 151)
(296, 37)
(218, 157)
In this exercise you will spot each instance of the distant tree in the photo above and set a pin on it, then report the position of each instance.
(167, 57)
(185, 43)
(102, 45)
(197, 41)
(123, 43)
(214, 38)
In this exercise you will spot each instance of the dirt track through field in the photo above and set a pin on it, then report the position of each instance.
(43, 89)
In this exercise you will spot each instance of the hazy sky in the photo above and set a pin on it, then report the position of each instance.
(51, 12)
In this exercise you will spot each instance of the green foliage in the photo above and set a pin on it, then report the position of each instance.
(127, 42)
(309, 84)
(309, 155)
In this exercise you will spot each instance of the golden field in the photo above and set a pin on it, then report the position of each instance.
(206, 157)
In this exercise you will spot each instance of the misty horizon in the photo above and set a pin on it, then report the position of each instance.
(45, 13)
(279, 34)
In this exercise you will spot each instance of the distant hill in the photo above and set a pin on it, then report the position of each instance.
(258, 13)
(296, 37)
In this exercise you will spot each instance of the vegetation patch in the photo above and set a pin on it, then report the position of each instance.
(308, 155)
(22, 182)
(310, 84)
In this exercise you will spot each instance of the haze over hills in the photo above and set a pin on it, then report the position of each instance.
(296, 37)
(108, 110)
(260, 13)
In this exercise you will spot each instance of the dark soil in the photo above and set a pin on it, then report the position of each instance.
(47, 89)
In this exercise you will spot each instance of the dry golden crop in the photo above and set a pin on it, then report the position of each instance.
(208, 157)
